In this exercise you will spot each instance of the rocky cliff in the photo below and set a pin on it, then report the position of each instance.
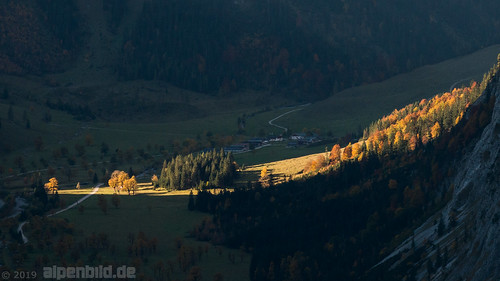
(476, 201)
(462, 240)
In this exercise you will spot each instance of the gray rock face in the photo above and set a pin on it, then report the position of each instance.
(471, 218)
(477, 199)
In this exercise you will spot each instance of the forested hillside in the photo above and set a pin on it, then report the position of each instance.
(38, 36)
(306, 50)
(311, 49)
(341, 222)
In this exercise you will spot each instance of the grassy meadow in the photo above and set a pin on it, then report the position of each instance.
(357, 107)
(159, 214)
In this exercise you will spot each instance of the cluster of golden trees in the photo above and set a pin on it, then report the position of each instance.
(407, 128)
(420, 122)
(120, 180)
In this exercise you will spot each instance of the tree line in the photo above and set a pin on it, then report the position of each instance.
(203, 170)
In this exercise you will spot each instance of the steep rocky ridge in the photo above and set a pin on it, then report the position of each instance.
(461, 242)
(477, 201)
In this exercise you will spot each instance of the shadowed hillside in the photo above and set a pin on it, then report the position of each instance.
(305, 50)
(340, 223)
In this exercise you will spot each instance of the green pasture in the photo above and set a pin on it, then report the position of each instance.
(357, 107)
(163, 217)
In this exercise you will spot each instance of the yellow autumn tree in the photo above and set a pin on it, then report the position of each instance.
(347, 153)
(130, 185)
(265, 177)
(52, 185)
(155, 181)
(263, 172)
(113, 183)
(117, 180)
(335, 153)
(435, 130)
(398, 139)
(356, 150)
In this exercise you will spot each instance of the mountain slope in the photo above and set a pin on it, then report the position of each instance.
(477, 199)
(307, 49)
(38, 36)
(470, 227)
(341, 222)
(304, 50)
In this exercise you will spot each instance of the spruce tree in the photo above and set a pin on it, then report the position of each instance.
(163, 175)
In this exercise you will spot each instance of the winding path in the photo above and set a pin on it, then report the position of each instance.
(94, 191)
(459, 81)
(96, 188)
(270, 122)
(20, 229)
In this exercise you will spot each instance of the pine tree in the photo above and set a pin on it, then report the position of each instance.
(163, 175)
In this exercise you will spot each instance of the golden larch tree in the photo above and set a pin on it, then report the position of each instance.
(52, 185)
(263, 172)
(113, 183)
(398, 139)
(335, 153)
(117, 180)
(435, 130)
(130, 185)
(412, 144)
(347, 153)
(356, 150)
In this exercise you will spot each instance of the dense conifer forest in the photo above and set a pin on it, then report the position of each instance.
(310, 49)
(339, 223)
(305, 50)
(203, 170)
(38, 36)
